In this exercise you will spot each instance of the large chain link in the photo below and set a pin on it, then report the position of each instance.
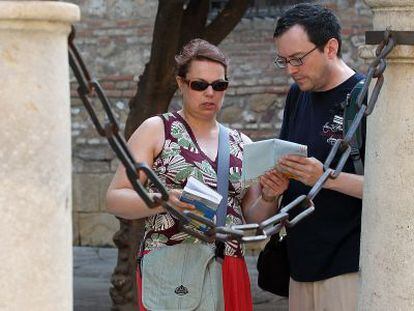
(90, 88)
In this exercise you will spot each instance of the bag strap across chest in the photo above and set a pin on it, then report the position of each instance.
(350, 111)
(223, 174)
(222, 182)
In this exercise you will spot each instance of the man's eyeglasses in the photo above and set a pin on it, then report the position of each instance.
(281, 62)
(198, 85)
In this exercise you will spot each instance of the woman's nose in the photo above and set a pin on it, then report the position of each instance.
(209, 91)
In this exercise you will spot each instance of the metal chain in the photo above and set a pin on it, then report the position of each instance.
(89, 88)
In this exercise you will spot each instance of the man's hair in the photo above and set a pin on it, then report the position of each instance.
(199, 49)
(319, 23)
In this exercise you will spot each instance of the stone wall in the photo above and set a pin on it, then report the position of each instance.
(115, 40)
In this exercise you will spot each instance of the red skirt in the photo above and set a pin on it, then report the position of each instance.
(236, 286)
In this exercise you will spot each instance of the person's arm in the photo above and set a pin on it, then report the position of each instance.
(121, 199)
(308, 171)
(261, 201)
(350, 184)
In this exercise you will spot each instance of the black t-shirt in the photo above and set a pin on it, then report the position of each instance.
(326, 243)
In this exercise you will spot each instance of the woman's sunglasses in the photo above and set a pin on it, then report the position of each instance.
(197, 85)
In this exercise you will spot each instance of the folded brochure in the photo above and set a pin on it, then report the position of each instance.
(261, 156)
(204, 199)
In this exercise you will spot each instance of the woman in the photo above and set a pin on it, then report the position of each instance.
(185, 143)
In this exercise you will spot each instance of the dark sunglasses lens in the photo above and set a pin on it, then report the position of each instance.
(220, 85)
(202, 85)
(199, 85)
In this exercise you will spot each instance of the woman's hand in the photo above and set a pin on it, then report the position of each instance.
(174, 201)
(273, 184)
(260, 200)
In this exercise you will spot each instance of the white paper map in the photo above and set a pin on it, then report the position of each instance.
(261, 156)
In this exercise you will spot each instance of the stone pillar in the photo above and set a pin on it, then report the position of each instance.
(387, 242)
(35, 156)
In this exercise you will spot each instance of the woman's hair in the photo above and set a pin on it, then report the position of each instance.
(199, 49)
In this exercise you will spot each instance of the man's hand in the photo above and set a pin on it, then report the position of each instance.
(305, 170)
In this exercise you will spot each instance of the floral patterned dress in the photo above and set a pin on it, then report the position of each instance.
(180, 158)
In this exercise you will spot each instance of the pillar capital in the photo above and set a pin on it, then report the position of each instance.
(397, 14)
(39, 10)
(400, 53)
(388, 3)
(44, 15)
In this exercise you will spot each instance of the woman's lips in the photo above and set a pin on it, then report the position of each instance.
(209, 105)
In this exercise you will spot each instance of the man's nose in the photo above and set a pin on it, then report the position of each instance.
(291, 69)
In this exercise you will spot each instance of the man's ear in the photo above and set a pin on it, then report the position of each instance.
(331, 48)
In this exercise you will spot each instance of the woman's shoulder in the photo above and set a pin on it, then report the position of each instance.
(151, 131)
(151, 124)
(239, 136)
(168, 115)
(246, 139)
(159, 120)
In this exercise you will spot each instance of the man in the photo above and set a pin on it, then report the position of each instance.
(323, 249)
